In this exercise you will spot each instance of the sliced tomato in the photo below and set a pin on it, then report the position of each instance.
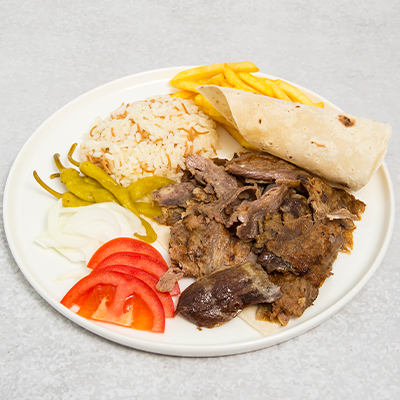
(146, 293)
(124, 244)
(142, 316)
(90, 302)
(84, 285)
(114, 310)
(146, 277)
(141, 261)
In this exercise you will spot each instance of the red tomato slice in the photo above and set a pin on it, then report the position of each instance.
(124, 244)
(146, 277)
(146, 293)
(143, 318)
(83, 286)
(141, 261)
(90, 302)
(125, 285)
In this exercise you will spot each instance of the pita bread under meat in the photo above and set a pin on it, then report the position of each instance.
(339, 147)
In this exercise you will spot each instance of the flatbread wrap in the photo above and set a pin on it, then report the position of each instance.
(342, 148)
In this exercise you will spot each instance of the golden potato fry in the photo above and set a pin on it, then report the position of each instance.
(294, 93)
(182, 84)
(235, 81)
(216, 80)
(184, 94)
(257, 83)
(278, 92)
(210, 70)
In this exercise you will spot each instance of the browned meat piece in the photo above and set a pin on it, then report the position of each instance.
(263, 167)
(311, 248)
(222, 209)
(219, 297)
(170, 215)
(270, 262)
(295, 206)
(200, 246)
(206, 172)
(288, 221)
(326, 200)
(268, 229)
(175, 195)
(249, 213)
(202, 197)
(297, 295)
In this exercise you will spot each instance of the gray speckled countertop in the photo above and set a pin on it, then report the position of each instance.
(53, 51)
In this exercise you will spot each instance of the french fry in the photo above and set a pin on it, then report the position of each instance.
(278, 92)
(210, 70)
(183, 94)
(235, 81)
(295, 94)
(239, 138)
(257, 83)
(182, 84)
(216, 80)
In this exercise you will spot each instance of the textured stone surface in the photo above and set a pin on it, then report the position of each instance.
(53, 51)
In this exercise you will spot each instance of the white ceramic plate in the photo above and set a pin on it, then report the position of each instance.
(26, 206)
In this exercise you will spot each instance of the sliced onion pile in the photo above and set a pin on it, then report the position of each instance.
(77, 232)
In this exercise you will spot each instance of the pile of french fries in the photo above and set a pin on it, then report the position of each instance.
(237, 76)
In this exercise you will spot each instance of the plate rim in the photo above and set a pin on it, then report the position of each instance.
(188, 350)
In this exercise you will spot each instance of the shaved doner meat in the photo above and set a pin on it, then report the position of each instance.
(214, 177)
(256, 207)
(176, 195)
(264, 167)
(219, 297)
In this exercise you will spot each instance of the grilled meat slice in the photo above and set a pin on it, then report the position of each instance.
(326, 200)
(297, 295)
(263, 167)
(249, 213)
(219, 297)
(222, 209)
(207, 173)
(295, 206)
(170, 215)
(200, 246)
(176, 195)
(311, 248)
(270, 262)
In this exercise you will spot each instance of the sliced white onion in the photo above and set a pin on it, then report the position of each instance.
(77, 232)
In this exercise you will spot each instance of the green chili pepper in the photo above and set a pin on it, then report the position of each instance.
(68, 198)
(148, 210)
(145, 186)
(69, 156)
(81, 187)
(97, 186)
(121, 193)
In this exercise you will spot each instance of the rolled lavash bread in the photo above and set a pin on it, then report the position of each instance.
(339, 147)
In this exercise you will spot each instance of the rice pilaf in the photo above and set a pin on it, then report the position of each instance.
(150, 137)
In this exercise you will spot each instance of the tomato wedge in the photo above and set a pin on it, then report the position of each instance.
(141, 261)
(124, 244)
(146, 277)
(115, 308)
